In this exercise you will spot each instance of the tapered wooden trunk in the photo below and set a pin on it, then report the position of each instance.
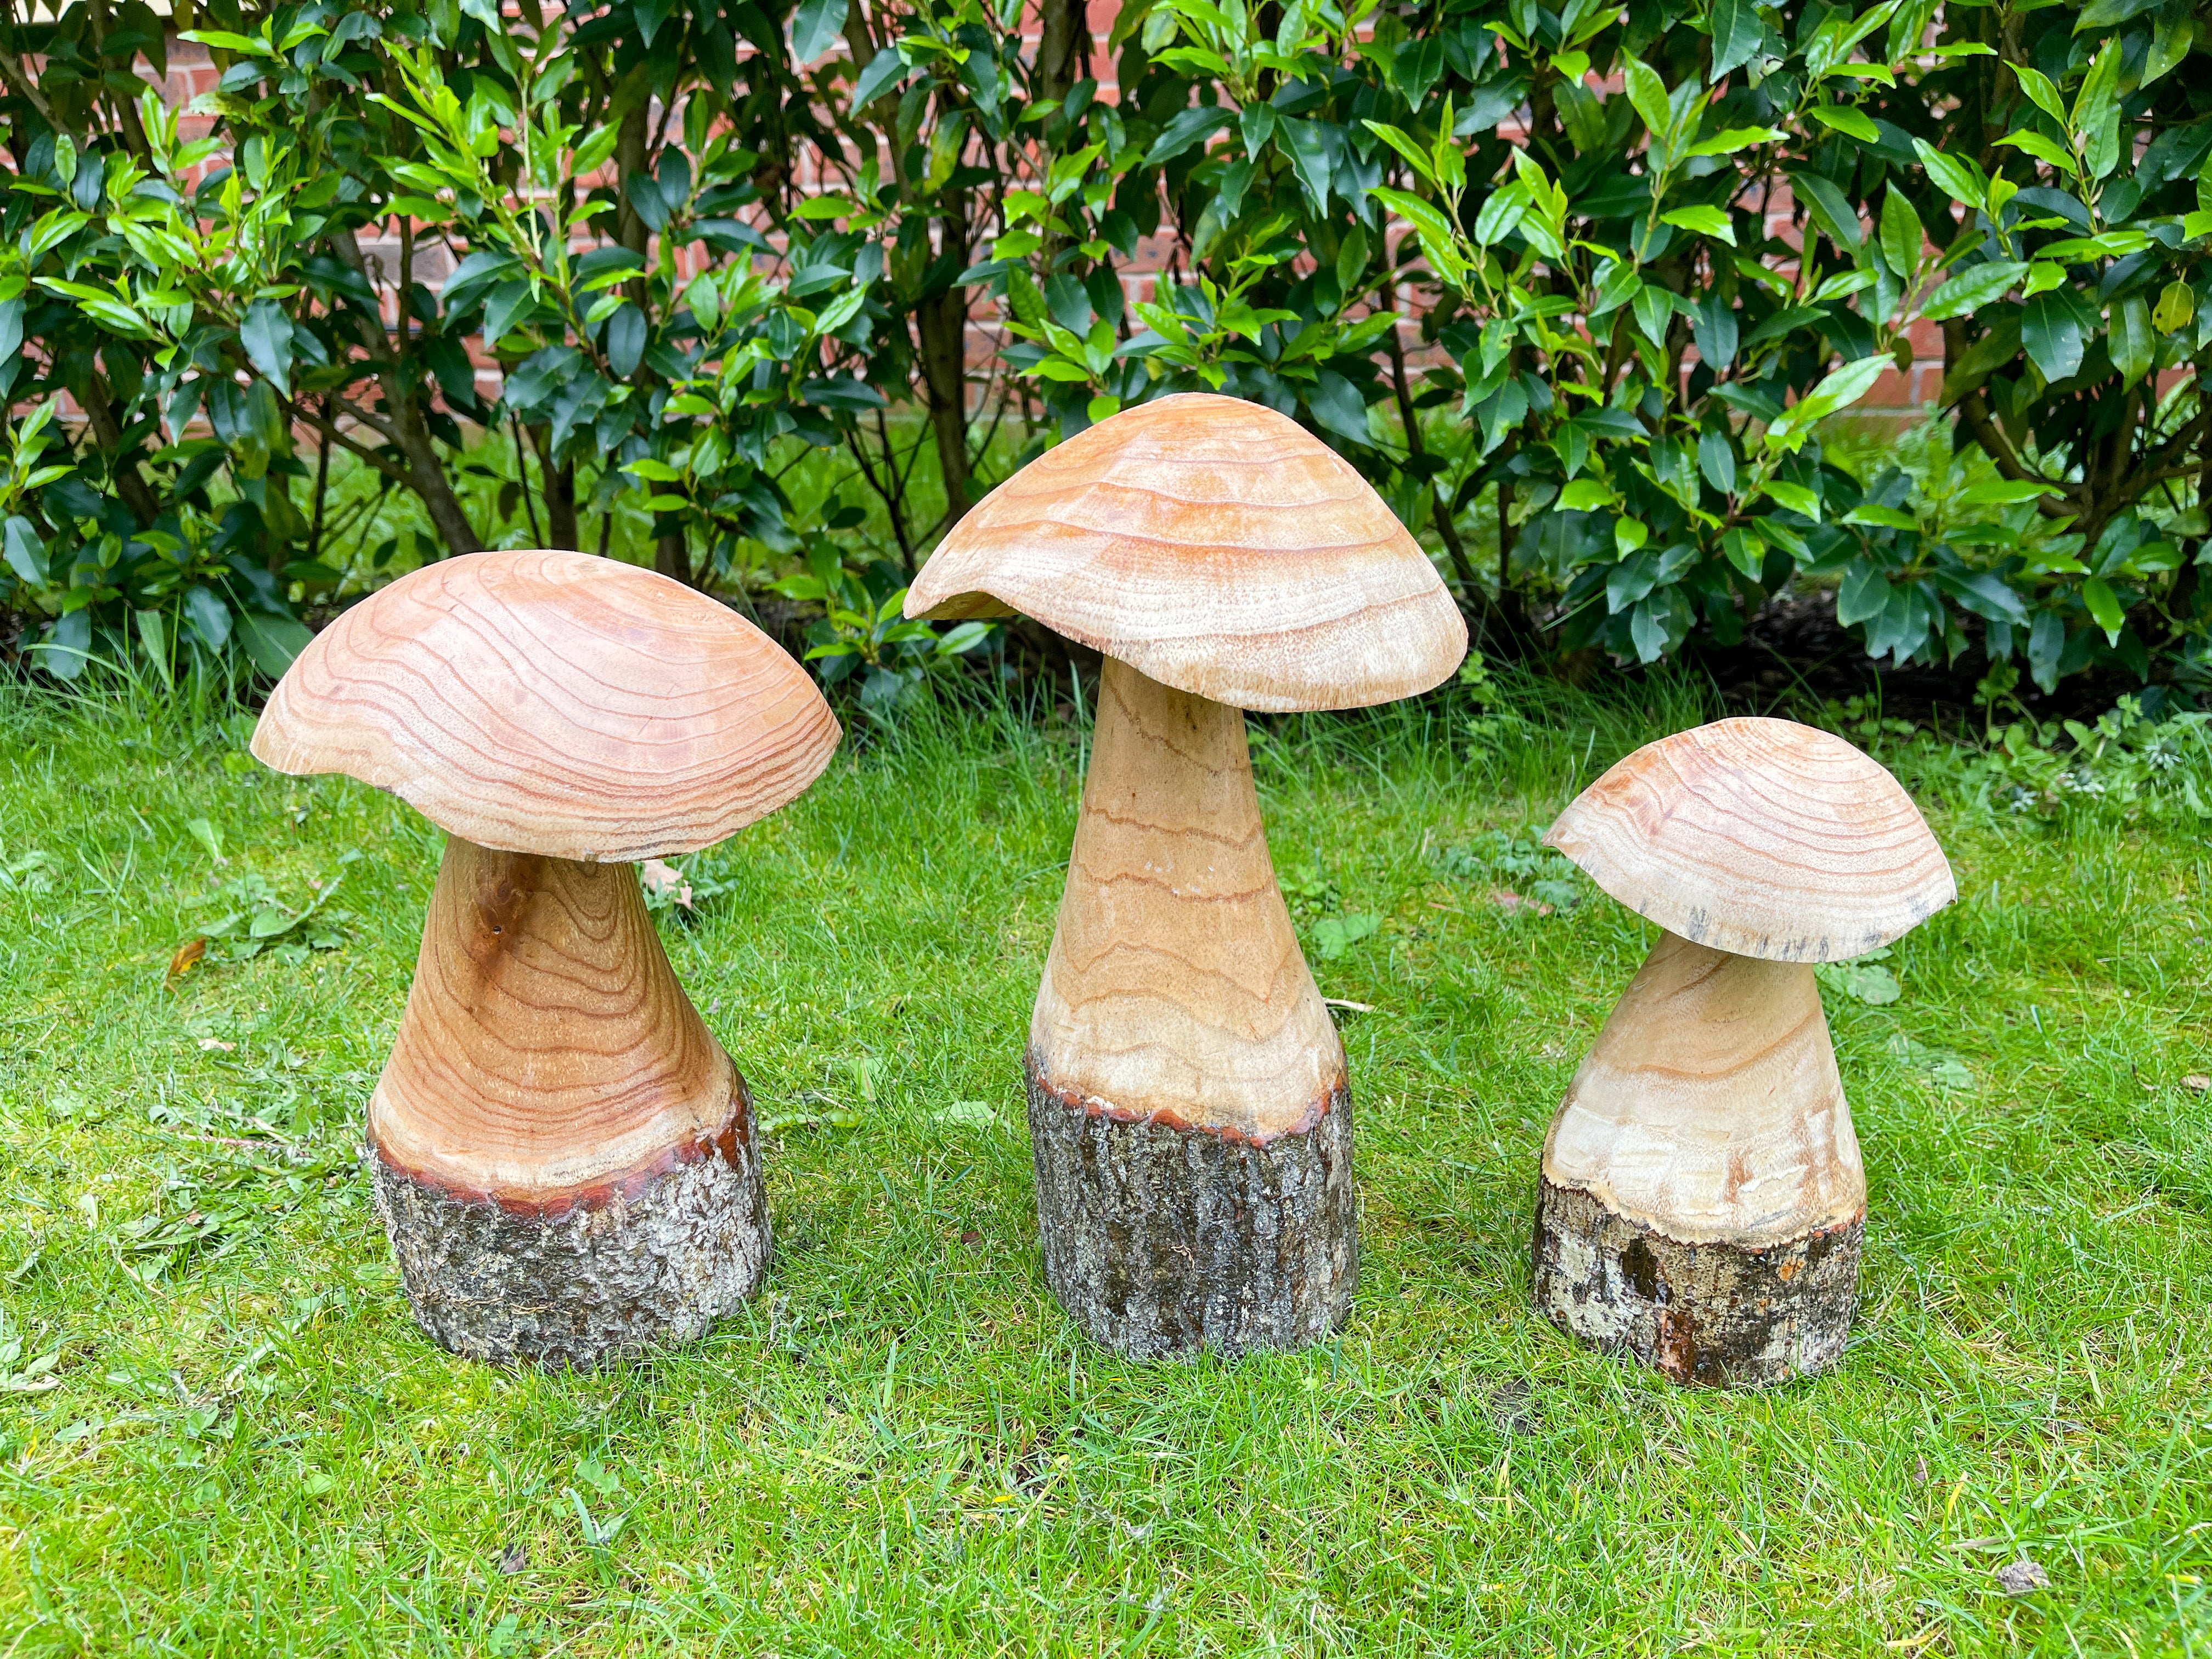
(565, 1159)
(1189, 1106)
(1702, 1199)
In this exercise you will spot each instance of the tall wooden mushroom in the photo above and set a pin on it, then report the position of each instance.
(1702, 1200)
(1188, 1104)
(565, 1158)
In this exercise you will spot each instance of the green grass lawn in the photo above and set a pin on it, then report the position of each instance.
(222, 1433)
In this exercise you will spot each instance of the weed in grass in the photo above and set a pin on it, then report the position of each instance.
(225, 1433)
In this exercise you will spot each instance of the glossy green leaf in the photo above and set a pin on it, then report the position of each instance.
(1339, 407)
(2051, 334)
(817, 26)
(1704, 220)
(2176, 32)
(1844, 119)
(1629, 580)
(1736, 29)
(1730, 140)
(209, 616)
(1798, 499)
(1654, 309)
(1838, 392)
(272, 642)
(1747, 552)
(1587, 495)
(2045, 641)
(1186, 128)
(1902, 238)
(26, 553)
(2003, 492)
(1424, 217)
(1830, 209)
(1863, 594)
(2129, 338)
(2047, 150)
(1968, 290)
(1717, 460)
(1306, 143)
(2104, 607)
(1961, 180)
(2103, 14)
(265, 332)
(2037, 85)
(2095, 123)
(1648, 633)
(1647, 95)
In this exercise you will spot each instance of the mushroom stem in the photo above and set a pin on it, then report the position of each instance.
(1188, 1098)
(564, 1154)
(1703, 1199)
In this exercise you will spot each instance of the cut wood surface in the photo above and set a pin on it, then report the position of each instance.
(1720, 1314)
(1709, 1109)
(547, 1057)
(1218, 547)
(556, 703)
(1175, 989)
(1762, 837)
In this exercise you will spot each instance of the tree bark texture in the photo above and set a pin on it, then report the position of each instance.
(1722, 1313)
(557, 489)
(942, 323)
(671, 557)
(1161, 1239)
(597, 1282)
(1063, 47)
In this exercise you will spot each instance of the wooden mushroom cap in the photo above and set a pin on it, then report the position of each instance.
(1761, 838)
(1218, 547)
(554, 704)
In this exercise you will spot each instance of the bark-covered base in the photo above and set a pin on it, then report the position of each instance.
(1162, 1240)
(605, 1279)
(1727, 1315)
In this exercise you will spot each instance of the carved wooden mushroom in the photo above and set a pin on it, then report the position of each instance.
(1702, 1200)
(1189, 1107)
(565, 1158)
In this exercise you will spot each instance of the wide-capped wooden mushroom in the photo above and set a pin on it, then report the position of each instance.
(565, 1158)
(1702, 1200)
(1188, 1104)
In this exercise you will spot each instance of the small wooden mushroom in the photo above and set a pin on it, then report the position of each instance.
(564, 1156)
(1189, 1109)
(1702, 1200)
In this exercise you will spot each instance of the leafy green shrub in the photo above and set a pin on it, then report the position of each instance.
(863, 634)
(1642, 366)
(205, 305)
(1602, 271)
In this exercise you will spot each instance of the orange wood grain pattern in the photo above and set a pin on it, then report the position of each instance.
(1710, 1109)
(1760, 837)
(1174, 989)
(556, 703)
(547, 1050)
(1218, 547)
